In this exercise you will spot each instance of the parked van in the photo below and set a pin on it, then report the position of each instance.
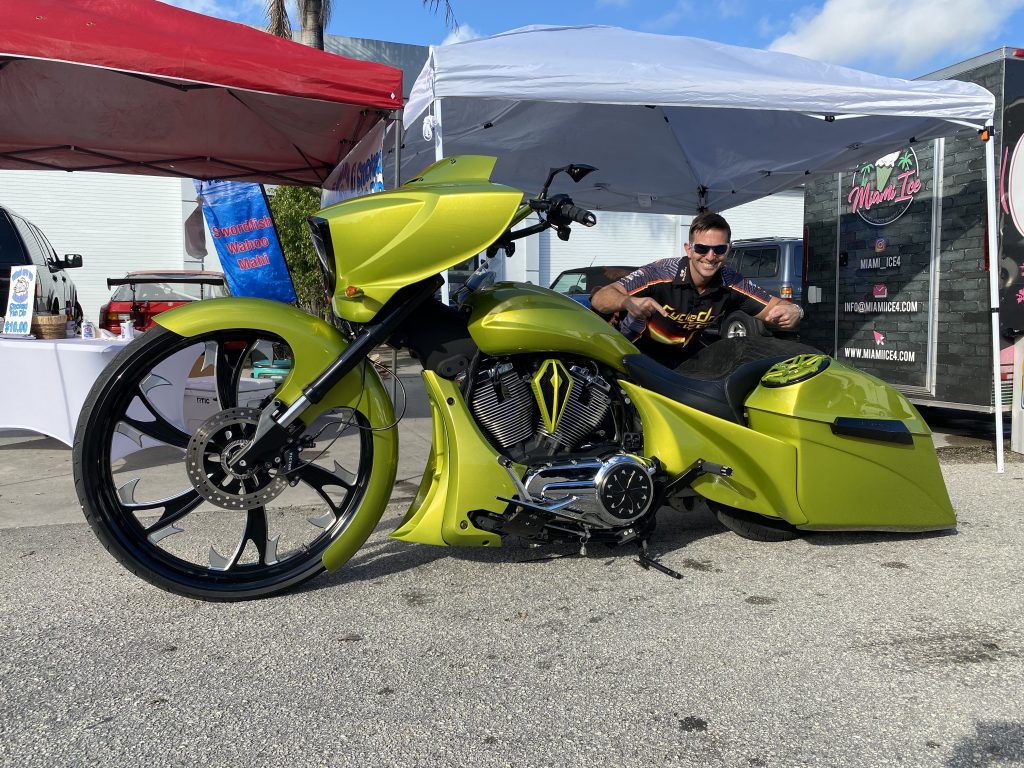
(775, 264)
(22, 243)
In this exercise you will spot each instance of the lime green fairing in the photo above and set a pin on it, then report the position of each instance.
(314, 344)
(385, 241)
(462, 475)
(511, 318)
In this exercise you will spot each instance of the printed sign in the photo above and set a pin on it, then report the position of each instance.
(882, 191)
(360, 173)
(20, 301)
(247, 245)
(1011, 198)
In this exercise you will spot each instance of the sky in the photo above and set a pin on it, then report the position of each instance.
(900, 38)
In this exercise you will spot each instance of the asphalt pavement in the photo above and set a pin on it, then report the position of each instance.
(831, 650)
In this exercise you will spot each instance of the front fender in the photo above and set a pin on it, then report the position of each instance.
(314, 344)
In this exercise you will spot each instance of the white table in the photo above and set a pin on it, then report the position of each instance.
(44, 382)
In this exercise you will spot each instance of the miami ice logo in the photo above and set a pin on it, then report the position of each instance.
(882, 191)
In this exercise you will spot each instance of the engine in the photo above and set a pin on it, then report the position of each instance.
(553, 408)
(566, 423)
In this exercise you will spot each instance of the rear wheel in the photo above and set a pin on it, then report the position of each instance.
(740, 324)
(154, 477)
(753, 526)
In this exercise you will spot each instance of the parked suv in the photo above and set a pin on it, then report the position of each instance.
(774, 263)
(23, 244)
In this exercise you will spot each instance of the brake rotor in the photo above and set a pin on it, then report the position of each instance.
(208, 462)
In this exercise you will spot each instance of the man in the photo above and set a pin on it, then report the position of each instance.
(669, 303)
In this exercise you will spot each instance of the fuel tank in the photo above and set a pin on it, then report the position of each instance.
(513, 318)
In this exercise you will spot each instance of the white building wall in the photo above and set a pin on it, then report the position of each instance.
(778, 215)
(624, 239)
(117, 222)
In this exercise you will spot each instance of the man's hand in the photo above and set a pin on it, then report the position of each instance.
(782, 314)
(643, 307)
(613, 298)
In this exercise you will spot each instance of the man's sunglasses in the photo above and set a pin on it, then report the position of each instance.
(702, 250)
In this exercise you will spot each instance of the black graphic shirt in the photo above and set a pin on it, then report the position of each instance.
(672, 339)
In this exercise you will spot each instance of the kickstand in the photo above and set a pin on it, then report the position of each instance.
(645, 561)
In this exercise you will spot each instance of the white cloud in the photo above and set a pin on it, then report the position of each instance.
(730, 9)
(901, 34)
(673, 16)
(461, 35)
(248, 11)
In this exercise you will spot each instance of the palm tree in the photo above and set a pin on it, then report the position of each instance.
(314, 15)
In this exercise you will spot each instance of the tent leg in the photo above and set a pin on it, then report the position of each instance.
(993, 280)
(398, 182)
(439, 155)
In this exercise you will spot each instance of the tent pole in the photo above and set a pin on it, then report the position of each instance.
(438, 139)
(439, 155)
(397, 123)
(993, 280)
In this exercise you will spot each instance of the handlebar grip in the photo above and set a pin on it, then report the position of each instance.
(577, 214)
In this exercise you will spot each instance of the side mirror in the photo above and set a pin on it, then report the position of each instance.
(67, 261)
(579, 172)
(576, 172)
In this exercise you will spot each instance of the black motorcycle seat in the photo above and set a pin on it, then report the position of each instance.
(717, 380)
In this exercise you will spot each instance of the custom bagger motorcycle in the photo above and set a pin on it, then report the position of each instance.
(209, 480)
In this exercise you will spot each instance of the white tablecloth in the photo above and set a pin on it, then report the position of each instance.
(44, 383)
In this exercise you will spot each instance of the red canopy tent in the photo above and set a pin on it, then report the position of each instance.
(138, 86)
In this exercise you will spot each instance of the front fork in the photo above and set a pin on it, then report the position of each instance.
(278, 425)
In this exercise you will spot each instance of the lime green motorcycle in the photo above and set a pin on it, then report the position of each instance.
(242, 446)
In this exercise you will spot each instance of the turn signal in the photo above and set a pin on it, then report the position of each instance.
(352, 291)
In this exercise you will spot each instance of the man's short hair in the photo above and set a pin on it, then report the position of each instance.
(707, 221)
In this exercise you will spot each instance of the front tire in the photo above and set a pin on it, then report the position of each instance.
(167, 404)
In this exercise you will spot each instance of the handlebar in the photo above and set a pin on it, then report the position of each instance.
(561, 211)
(577, 214)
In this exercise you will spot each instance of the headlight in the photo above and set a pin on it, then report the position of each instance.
(320, 231)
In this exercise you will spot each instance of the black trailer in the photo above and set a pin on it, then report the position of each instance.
(898, 270)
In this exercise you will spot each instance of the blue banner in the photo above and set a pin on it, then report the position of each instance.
(247, 244)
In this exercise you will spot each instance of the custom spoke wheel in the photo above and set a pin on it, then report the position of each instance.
(157, 475)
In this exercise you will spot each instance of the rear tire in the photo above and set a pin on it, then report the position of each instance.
(753, 526)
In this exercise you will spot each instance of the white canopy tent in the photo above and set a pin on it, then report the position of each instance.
(674, 124)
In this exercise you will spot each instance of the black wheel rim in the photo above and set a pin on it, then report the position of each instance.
(162, 528)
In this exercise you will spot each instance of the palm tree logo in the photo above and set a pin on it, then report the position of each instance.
(865, 174)
(906, 161)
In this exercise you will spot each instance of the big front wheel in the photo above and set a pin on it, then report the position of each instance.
(154, 472)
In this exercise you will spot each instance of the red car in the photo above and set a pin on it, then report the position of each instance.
(141, 296)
